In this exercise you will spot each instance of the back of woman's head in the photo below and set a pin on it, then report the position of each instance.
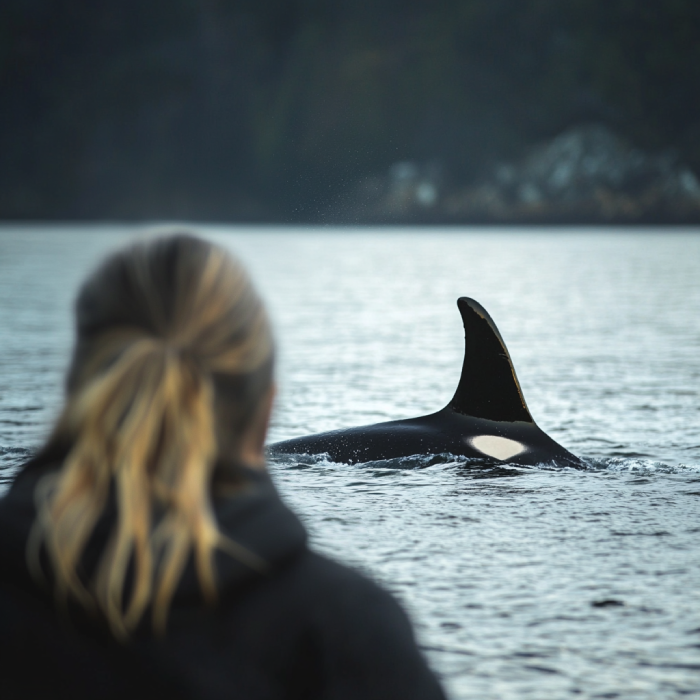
(173, 362)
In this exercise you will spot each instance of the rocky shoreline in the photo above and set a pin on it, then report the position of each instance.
(586, 174)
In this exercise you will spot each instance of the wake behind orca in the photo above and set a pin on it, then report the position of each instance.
(486, 418)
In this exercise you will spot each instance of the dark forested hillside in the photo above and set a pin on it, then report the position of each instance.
(277, 109)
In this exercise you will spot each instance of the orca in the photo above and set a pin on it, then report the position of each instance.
(487, 418)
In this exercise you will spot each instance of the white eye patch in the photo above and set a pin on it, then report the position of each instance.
(495, 446)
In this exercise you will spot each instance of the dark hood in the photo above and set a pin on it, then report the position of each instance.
(254, 518)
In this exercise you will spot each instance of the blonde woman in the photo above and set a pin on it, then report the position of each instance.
(144, 551)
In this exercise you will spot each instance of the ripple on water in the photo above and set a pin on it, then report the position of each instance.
(506, 567)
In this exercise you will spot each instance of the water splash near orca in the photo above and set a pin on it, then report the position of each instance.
(486, 418)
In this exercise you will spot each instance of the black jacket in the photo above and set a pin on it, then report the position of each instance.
(306, 628)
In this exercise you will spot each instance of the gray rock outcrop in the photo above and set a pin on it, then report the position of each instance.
(585, 174)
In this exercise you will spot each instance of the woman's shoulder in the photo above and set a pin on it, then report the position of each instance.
(334, 587)
(370, 642)
(350, 629)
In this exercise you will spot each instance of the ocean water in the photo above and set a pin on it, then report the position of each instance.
(536, 583)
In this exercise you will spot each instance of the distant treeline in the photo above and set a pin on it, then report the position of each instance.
(270, 109)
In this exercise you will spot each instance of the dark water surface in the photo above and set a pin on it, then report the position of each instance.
(523, 583)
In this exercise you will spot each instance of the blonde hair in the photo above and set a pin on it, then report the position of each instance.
(173, 356)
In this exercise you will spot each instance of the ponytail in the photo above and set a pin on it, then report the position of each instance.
(143, 430)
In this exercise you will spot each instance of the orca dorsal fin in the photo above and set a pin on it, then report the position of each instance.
(488, 387)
